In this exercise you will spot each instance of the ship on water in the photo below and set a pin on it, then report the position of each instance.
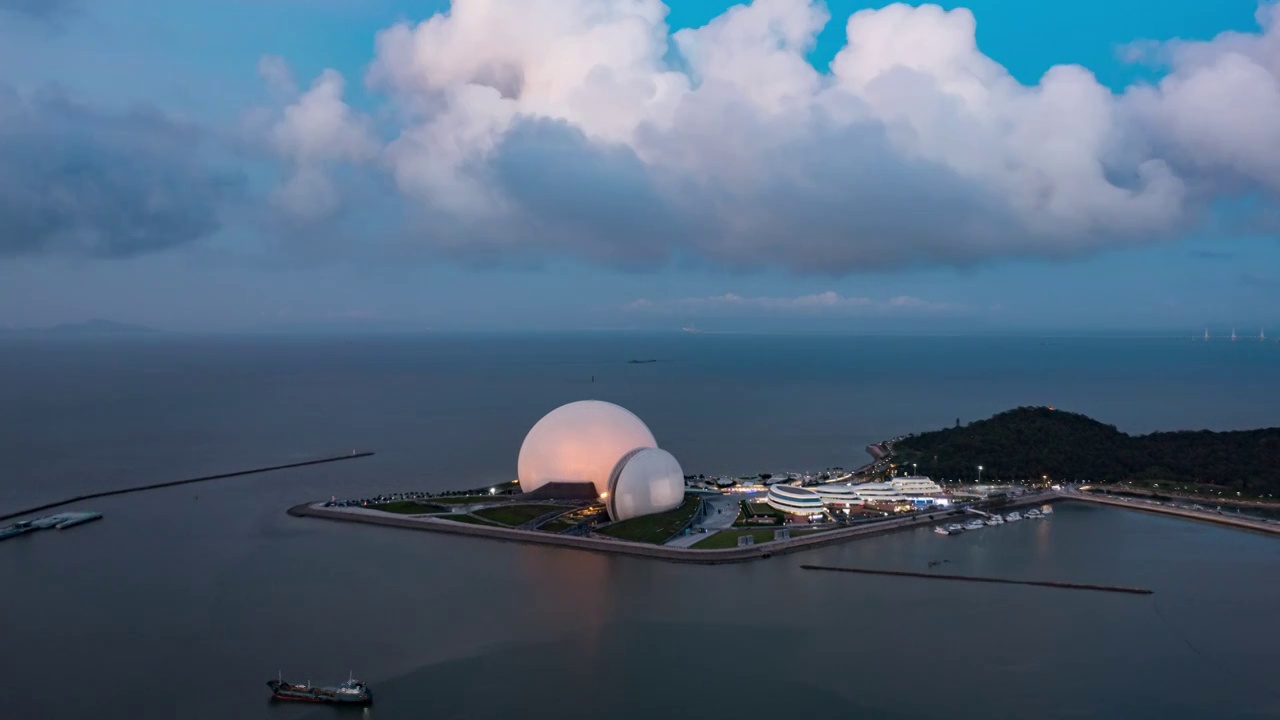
(351, 692)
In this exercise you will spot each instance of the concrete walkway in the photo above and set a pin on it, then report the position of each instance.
(721, 512)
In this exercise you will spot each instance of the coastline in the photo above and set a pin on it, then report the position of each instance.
(655, 552)
(1242, 522)
(747, 553)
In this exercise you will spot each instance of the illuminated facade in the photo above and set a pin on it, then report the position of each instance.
(898, 489)
(592, 441)
(795, 500)
(840, 495)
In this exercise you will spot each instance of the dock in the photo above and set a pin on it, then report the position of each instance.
(974, 578)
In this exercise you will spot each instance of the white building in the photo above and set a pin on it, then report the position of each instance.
(600, 443)
(899, 489)
(840, 495)
(795, 500)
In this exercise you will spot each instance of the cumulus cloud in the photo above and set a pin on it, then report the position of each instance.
(827, 303)
(314, 133)
(584, 127)
(79, 180)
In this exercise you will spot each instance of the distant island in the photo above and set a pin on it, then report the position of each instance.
(641, 362)
(1030, 442)
(89, 328)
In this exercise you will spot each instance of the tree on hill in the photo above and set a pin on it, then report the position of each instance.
(1030, 442)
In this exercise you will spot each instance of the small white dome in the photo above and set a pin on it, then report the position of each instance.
(580, 442)
(645, 481)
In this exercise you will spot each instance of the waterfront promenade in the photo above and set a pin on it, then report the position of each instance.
(680, 552)
(657, 552)
(1243, 522)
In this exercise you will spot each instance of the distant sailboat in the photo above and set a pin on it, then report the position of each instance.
(1262, 335)
(1233, 334)
(1206, 334)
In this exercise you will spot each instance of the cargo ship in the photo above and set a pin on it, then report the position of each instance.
(351, 692)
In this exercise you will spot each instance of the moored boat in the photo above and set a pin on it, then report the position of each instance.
(974, 525)
(12, 531)
(1013, 517)
(941, 529)
(1046, 510)
(77, 518)
(1033, 514)
(995, 519)
(351, 692)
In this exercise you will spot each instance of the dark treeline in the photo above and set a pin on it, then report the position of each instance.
(1029, 442)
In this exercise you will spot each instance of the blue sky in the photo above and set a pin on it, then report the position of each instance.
(264, 226)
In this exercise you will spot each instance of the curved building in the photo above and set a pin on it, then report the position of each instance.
(795, 500)
(840, 494)
(601, 444)
(898, 489)
(645, 481)
(580, 442)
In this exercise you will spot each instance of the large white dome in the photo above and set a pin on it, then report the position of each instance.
(580, 442)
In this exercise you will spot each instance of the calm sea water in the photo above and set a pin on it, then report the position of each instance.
(183, 602)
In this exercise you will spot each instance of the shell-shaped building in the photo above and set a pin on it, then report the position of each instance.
(597, 442)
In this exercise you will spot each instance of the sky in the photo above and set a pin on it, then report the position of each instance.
(780, 165)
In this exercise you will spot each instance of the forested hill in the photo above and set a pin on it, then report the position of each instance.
(1029, 442)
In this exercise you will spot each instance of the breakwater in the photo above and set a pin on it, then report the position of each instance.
(188, 481)
(974, 578)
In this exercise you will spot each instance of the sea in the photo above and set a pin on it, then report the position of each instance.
(183, 602)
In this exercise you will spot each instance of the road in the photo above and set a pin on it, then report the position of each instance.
(720, 515)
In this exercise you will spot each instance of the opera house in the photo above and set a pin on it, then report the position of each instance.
(597, 448)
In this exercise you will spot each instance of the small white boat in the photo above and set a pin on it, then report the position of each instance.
(1033, 514)
(995, 520)
(974, 525)
(73, 519)
(1046, 511)
(1013, 517)
(955, 529)
(941, 529)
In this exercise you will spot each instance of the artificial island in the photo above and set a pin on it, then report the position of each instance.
(591, 476)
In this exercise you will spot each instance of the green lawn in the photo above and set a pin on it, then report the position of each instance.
(469, 519)
(468, 499)
(557, 525)
(409, 507)
(513, 515)
(809, 531)
(729, 538)
(654, 528)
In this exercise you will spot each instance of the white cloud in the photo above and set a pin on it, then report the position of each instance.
(914, 148)
(827, 303)
(315, 132)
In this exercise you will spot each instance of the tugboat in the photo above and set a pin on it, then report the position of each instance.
(351, 692)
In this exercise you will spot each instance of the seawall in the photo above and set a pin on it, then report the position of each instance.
(1236, 521)
(655, 552)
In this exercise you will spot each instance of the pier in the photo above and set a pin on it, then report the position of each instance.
(189, 481)
(974, 578)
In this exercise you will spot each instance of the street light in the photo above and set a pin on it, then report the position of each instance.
(914, 472)
(979, 474)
